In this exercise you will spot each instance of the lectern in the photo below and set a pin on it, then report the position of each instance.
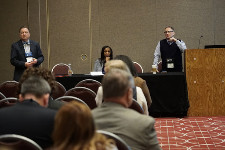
(205, 75)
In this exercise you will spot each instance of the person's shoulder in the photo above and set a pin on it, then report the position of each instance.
(108, 107)
(139, 79)
(6, 109)
(31, 104)
(180, 40)
(98, 60)
(145, 120)
(96, 110)
(17, 42)
(135, 116)
(33, 42)
(48, 110)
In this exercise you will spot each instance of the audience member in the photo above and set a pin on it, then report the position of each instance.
(48, 76)
(135, 129)
(29, 117)
(106, 55)
(138, 94)
(170, 50)
(75, 130)
(137, 80)
(25, 53)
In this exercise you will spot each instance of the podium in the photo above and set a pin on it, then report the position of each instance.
(205, 75)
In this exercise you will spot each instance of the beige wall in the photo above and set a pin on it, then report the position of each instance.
(67, 29)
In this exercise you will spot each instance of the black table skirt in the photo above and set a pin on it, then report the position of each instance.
(168, 91)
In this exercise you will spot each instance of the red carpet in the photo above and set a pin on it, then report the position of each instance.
(191, 133)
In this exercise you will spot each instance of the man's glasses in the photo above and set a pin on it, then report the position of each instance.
(168, 31)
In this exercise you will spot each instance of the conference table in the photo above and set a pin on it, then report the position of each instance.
(168, 91)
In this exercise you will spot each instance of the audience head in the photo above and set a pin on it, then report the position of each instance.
(35, 88)
(128, 62)
(117, 87)
(119, 64)
(41, 72)
(24, 33)
(78, 118)
(106, 52)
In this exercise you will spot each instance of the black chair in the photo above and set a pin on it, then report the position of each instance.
(85, 94)
(9, 88)
(18, 142)
(120, 143)
(58, 91)
(9, 101)
(69, 99)
(89, 83)
(138, 67)
(60, 69)
(2, 96)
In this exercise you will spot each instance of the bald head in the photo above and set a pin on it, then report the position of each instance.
(118, 64)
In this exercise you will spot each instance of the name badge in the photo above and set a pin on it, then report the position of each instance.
(29, 54)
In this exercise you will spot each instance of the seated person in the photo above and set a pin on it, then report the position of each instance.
(30, 117)
(137, 80)
(136, 129)
(48, 76)
(138, 94)
(106, 55)
(75, 130)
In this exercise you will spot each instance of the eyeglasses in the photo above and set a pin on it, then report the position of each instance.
(168, 31)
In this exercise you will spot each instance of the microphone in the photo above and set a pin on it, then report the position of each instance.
(199, 41)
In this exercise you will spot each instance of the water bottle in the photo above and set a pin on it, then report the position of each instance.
(70, 72)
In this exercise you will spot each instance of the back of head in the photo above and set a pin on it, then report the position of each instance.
(118, 64)
(37, 71)
(128, 62)
(116, 82)
(74, 126)
(36, 86)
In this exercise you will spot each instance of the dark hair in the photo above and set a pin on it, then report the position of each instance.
(24, 27)
(37, 71)
(103, 56)
(170, 27)
(129, 63)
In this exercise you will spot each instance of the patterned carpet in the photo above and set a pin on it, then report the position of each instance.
(191, 133)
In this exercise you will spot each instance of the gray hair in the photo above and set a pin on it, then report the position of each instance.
(36, 86)
(116, 82)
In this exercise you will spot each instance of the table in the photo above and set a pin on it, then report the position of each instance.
(168, 91)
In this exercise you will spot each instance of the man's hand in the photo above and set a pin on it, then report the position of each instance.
(34, 61)
(172, 39)
(28, 64)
